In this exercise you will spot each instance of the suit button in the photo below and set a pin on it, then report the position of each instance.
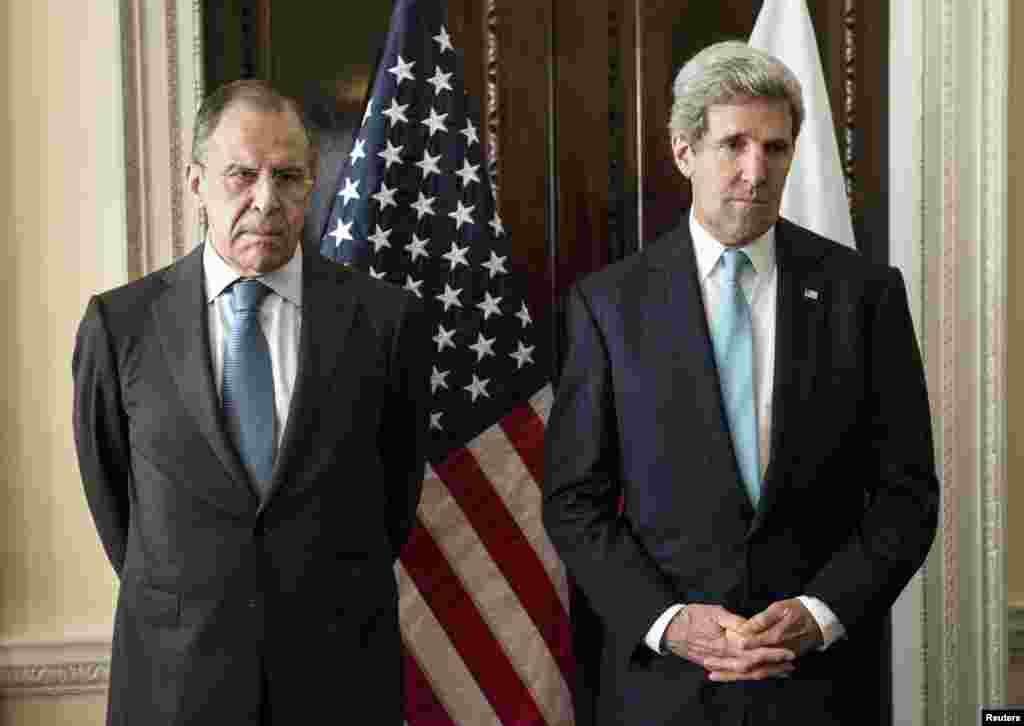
(253, 604)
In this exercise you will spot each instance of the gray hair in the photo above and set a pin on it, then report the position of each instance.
(254, 93)
(723, 73)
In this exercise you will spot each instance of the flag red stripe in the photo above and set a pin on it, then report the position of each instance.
(525, 429)
(421, 705)
(511, 552)
(442, 590)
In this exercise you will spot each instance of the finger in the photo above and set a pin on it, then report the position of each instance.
(729, 621)
(774, 635)
(749, 660)
(765, 619)
(755, 675)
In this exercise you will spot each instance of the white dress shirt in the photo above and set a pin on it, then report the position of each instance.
(760, 283)
(280, 319)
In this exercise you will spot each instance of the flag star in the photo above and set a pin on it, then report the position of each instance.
(438, 379)
(483, 347)
(391, 155)
(386, 196)
(435, 420)
(429, 164)
(440, 81)
(418, 247)
(523, 355)
(496, 225)
(368, 113)
(478, 388)
(342, 232)
(489, 305)
(396, 113)
(495, 265)
(524, 315)
(380, 238)
(423, 205)
(468, 173)
(413, 286)
(402, 71)
(444, 338)
(444, 40)
(435, 122)
(470, 133)
(457, 256)
(449, 297)
(358, 151)
(377, 275)
(350, 192)
(461, 214)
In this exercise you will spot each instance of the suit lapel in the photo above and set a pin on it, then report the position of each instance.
(327, 315)
(180, 320)
(677, 326)
(801, 304)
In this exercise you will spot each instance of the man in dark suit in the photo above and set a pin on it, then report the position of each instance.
(739, 467)
(250, 427)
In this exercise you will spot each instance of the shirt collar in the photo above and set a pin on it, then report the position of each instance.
(286, 280)
(708, 250)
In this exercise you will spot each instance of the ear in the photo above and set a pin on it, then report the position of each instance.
(682, 153)
(193, 174)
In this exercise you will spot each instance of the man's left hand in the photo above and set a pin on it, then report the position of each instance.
(784, 624)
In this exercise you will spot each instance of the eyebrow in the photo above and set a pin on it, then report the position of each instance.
(237, 166)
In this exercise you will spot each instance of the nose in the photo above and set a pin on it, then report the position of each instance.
(265, 195)
(754, 165)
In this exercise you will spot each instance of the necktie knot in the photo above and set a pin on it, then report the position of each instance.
(733, 263)
(247, 295)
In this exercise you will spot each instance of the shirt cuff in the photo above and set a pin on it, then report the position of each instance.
(831, 629)
(657, 631)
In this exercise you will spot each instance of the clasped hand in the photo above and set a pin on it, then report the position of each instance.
(733, 648)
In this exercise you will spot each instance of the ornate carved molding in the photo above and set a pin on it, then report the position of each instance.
(850, 103)
(993, 182)
(493, 110)
(76, 664)
(963, 221)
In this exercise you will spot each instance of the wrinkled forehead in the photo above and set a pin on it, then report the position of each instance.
(757, 117)
(256, 137)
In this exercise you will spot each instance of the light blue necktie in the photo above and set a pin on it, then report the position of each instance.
(248, 387)
(734, 352)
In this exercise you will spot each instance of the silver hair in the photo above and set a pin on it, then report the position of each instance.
(723, 73)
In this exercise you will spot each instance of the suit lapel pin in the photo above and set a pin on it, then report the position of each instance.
(811, 294)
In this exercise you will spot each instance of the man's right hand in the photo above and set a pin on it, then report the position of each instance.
(706, 635)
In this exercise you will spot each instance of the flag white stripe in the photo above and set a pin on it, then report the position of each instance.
(541, 402)
(440, 663)
(513, 482)
(524, 645)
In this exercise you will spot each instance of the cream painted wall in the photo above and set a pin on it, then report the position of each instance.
(1015, 313)
(62, 221)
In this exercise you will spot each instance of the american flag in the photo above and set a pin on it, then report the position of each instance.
(484, 598)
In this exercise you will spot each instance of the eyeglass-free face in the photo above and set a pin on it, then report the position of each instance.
(254, 185)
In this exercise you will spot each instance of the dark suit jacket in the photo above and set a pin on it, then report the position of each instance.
(849, 502)
(228, 607)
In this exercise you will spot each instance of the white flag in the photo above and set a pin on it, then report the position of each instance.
(815, 194)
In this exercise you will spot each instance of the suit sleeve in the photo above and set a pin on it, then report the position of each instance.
(403, 436)
(865, 576)
(583, 488)
(101, 433)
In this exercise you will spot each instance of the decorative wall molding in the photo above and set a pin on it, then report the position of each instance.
(72, 665)
(954, 187)
(850, 103)
(493, 109)
(161, 86)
